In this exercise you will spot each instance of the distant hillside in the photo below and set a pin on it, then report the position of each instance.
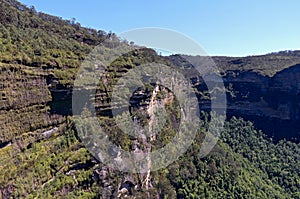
(267, 65)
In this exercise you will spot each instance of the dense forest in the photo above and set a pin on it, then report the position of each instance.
(42, 155)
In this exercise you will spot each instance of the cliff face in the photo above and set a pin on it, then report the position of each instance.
(262, 89)
(272, 103)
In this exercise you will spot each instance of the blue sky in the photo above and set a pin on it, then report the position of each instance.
(221, 27)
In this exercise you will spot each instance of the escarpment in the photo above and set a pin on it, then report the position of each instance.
(263, 89)
(34, 99)
(272, 103)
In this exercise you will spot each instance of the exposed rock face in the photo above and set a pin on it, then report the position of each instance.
(257, 92)
(273, 103)
(32, 100)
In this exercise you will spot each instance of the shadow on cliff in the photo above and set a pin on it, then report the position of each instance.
(61, 102)
(272, 103)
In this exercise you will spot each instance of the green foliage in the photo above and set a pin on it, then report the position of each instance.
(230, 171)
(280, 161)
(40, 40)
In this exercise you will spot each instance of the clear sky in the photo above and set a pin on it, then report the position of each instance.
(221, 27)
